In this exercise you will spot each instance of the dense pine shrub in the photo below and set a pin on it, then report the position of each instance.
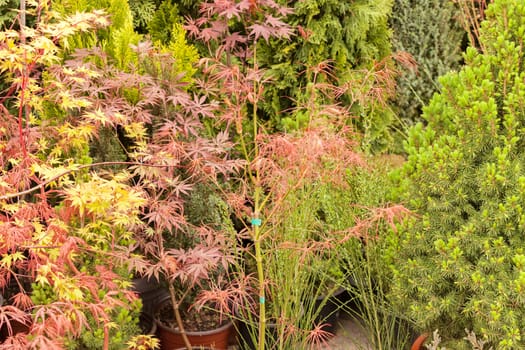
(460, 262)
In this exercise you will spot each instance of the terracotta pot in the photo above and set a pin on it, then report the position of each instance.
(171, 339)
(418, 343)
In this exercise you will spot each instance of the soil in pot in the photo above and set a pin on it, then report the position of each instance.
(204, 328)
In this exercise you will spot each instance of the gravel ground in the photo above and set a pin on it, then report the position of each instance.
(349, 336)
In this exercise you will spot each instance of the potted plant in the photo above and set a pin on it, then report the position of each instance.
(187, 261)
(200, 327)
(186, 235)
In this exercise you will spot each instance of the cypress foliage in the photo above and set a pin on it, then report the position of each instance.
(142, 12)
(460, 262)
(8, 12)
(164, 18)
(116, 40)
(334, 39)
(166, 31)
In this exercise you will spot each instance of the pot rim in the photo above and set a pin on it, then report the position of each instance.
(227, 324)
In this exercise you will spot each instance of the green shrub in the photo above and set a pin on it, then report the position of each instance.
(335, 40)
(460, 262)
(430, 32)
(142, 13)
(8, 12)
(165, 17)
(115, 40)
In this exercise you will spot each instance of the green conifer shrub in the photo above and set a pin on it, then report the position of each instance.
(115, 40)
(165, 17)
(166, 31)
(459, 263)
(8, 12)
(142, 13)
(334, 41)
(431, 33)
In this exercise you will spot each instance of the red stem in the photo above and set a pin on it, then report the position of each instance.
(21, 109)
(106, 337)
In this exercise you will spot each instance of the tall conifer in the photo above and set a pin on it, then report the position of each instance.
(460, 262)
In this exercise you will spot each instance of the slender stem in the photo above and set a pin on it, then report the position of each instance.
(262, 294)
(106, 337)
(257, 226)
(21, 109)
(254, 108)
(178, 317)
(69, 171)
(22, 14)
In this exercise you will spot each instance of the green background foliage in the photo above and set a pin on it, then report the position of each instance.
(430, 32)
(115, 40)
(8, 12)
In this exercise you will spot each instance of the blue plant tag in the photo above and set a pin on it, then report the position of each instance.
(256, 222)
(262, 300)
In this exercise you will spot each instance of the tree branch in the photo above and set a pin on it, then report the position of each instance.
(34, 188)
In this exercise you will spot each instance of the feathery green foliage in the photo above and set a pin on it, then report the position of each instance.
(165, 17)
(8, 12)
(116, 40)
(166, 31)
(333, 39)
(460, 262)
(142, 12)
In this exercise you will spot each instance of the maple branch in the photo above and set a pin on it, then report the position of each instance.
(47, 182)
